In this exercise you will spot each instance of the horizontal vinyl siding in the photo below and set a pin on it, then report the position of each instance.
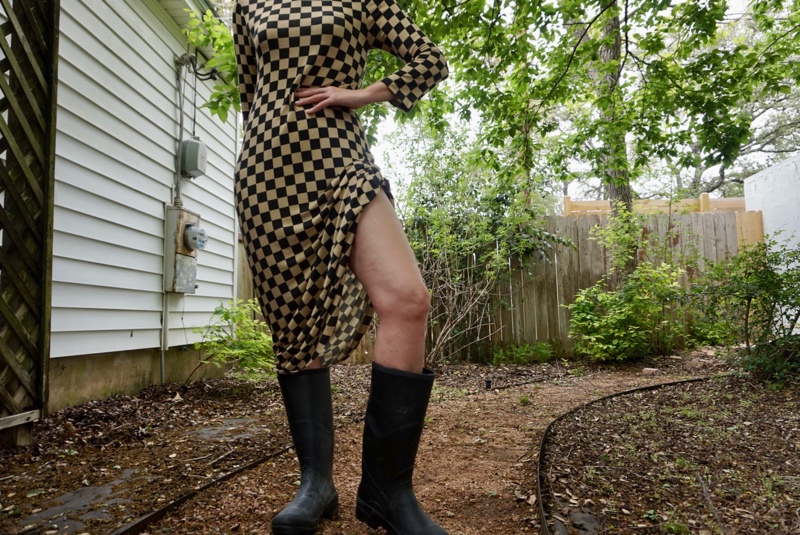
(118, 127)
(215, 272)
(103, 298)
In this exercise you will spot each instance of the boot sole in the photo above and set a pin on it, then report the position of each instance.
(331, 512)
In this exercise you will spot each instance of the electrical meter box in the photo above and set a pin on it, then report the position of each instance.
(184, 238)
(194, 158)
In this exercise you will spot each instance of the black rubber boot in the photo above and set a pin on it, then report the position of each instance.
(392, 429)
(307, 397)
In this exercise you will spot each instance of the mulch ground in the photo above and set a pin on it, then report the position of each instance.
(98, 467)
(719, 456)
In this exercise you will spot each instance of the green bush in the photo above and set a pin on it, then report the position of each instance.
(206, 31)
(538, 352)
(643, 316)
(755, 296)
(640, 308)
(777, 360)
(236, 338)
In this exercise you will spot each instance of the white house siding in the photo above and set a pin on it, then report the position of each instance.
(118, 126)
(776, 192)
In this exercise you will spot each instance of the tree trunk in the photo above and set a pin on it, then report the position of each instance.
(615, 172)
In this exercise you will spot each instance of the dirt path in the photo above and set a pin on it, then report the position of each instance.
(100, 466)
(688, 459)
(476, 468)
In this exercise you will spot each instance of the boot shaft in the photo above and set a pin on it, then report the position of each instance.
(392, 429)
(309, 410)
(393, 424)
(307, 398)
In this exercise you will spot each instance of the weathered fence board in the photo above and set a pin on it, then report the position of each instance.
(28, 47)
(553, 308)
(567, 274)
(555, 281)
(528, 305)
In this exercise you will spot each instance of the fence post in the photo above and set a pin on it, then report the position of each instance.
(705, 202)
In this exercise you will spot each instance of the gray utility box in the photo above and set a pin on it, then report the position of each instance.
(184, 238)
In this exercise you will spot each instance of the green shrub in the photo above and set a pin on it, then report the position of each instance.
(710, 326)
(760, 288)
(643, 316)
(640, 308)
(778, 360)
(237, 338)
(206, 31)
(755, 296)
(537, 352)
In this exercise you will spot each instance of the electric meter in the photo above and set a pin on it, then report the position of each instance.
(194, 237)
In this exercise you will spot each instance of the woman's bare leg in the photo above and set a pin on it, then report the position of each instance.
(384, 263)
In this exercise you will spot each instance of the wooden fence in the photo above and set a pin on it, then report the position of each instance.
(28, 61)
(539, 286)
(529, 303)
(704, 203)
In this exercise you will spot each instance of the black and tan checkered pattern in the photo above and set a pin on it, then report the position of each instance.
(302, 180)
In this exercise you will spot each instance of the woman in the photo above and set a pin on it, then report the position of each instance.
(305, 181)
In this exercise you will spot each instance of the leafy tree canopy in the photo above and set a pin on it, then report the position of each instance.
(616, 87)
(670, 80)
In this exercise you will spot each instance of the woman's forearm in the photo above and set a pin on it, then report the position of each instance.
(314, 99)
(377, 92)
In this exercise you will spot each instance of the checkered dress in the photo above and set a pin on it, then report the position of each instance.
(302, 180)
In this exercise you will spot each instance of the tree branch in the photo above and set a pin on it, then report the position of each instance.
(574, 51)
(777, 39)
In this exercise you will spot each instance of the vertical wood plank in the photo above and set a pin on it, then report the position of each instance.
(569, 275)
(705, 202)
(497, 314)
(572, 285)
(721, 234)
(739, 229)
(526, 303)
(729, 229)
(755, 227)
(517, 305)
(540, 283)
(697, 238)
(709, 237)
(598, 266)
(506, 302)
(685, 242)
(527, 293)
(551, 281)
(584, 252)
(653, 229)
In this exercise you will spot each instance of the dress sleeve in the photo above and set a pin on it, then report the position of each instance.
(246, 62)
(391, 30)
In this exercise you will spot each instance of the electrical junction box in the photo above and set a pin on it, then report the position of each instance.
(184, 238)
(194, 157)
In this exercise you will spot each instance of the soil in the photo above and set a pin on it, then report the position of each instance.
(720, 456)
(98, 467)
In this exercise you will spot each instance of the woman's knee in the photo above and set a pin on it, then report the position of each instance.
(408, 303)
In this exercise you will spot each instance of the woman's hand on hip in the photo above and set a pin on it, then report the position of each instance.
(320, 98)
